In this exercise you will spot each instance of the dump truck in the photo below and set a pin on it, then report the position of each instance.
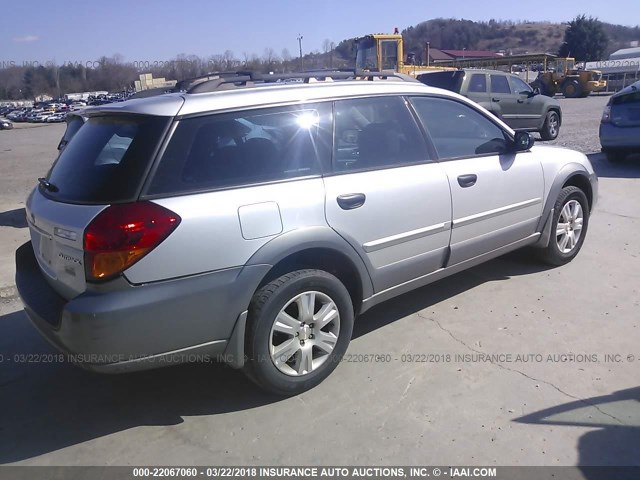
(564, 77)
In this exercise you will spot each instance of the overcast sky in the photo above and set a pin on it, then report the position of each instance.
(79, 30)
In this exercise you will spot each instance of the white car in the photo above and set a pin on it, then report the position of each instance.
(57, 117)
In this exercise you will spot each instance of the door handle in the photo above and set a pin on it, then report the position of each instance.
(467, 180)
(495, 99)
(349, 201)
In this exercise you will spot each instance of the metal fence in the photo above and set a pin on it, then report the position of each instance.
(617, 81)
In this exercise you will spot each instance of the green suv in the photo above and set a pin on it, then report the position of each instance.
(505, 95)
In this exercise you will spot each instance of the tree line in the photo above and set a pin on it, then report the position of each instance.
(114, 74)
(585, 38)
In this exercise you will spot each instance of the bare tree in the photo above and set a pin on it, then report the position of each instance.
(228, 60)
(269, 55)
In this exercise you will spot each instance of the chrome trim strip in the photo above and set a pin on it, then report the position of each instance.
(494, 213)
(516, 115)
(404, 237)
(410, 285)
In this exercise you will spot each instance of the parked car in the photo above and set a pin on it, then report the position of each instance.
(5, 124)
(620, 124)
(505, 95)
(18, 115)
(253, 224)
(41, 117)
(56, 117)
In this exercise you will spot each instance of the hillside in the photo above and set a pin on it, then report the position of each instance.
(113, 74)
(497, 35)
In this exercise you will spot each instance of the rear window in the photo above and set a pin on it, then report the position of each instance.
(106, 159)
(449, 80)
(224, 150)
(628, 98)
(73, 125)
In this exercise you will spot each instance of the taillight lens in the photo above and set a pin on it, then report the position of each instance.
(606, 115)
(122, 234)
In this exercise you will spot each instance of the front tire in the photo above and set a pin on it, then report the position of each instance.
(551, 127)
(298, 329)
(571, 89)
(569, 227)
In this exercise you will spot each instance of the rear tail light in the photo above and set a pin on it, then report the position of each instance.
(122, 234)
(606, 115)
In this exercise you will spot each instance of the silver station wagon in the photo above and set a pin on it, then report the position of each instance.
(251, 218)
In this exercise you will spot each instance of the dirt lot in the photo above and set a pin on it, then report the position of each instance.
(562, 387)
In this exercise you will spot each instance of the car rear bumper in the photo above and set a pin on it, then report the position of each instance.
(139, 327)
(619, 138)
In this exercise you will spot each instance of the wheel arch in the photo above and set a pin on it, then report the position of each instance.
(581, 181)
(572, 174)
(558, 110)
(320, 248)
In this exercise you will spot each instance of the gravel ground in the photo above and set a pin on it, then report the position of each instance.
(580, 121)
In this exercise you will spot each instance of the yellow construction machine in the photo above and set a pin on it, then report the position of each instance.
(385, 52)
(563, 76)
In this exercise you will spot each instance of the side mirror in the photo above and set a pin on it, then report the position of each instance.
(523, 141)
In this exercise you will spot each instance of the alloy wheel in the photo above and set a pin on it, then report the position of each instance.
(569, 227)
(304, 333)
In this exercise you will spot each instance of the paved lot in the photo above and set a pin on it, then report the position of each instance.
(552, 397)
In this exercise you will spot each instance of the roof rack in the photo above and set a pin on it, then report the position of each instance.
(230, 80)
(217, 81)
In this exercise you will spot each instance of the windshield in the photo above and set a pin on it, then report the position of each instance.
(106, 159)
(366, 57)
(389, 54)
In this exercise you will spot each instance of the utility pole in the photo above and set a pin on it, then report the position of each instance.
(300, 45)
(428, 53)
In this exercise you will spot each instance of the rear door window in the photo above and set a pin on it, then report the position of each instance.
(376, 133)
(478, 83)
(257, 146)
(106, 160)
(500, 84)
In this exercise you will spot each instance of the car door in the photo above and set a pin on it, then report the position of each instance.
(385, 195)
(503, 100)
(496, 195)
(530, 108)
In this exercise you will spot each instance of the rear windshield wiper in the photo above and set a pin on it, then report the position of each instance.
(50, 187)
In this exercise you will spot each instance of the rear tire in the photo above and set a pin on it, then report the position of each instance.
(298, 329)
(551, 127)
(568, 228)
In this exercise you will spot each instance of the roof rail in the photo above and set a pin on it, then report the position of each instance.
(227, 80)
(218, 81)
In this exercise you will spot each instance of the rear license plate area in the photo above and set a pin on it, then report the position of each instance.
(46, 249)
